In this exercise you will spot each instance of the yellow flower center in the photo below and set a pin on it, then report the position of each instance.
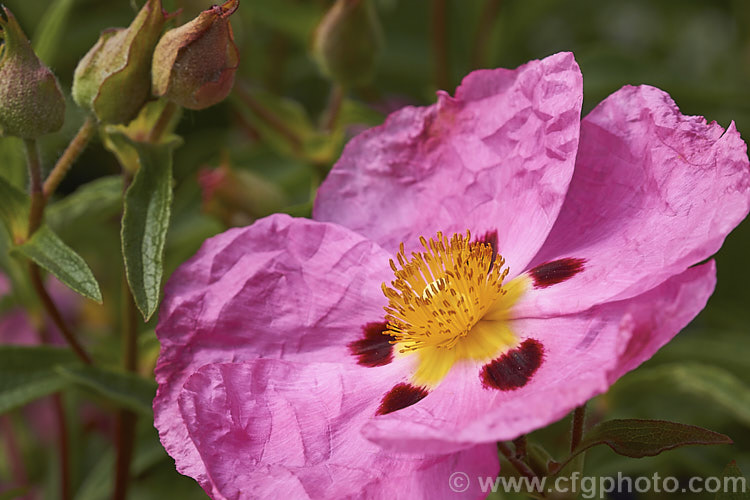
(448, 304)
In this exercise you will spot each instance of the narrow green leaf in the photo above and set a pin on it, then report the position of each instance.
(637, 438)
(51, 29)
(28, 373)
(14, 209)
(734, 484)
(50, 252)
(124, 389)
(145, 222)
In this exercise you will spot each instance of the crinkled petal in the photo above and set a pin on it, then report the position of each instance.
(584, 353)
(653, 193)
(496, 157)
(294, 429)
(281, 288)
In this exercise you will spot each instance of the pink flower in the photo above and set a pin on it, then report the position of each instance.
(280, 373)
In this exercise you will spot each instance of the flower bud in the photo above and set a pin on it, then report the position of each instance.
(194, 65)
(347, 42)
(31, 103)
(113, 80)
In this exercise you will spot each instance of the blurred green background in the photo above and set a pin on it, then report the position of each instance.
(697, 50)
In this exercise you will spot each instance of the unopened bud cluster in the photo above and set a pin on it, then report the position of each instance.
(193, 66)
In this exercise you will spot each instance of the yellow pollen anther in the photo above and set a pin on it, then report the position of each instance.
(440, 294)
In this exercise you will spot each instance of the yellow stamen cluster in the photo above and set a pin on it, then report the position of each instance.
(440, 294)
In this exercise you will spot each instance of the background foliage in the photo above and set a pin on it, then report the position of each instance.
(268, 133)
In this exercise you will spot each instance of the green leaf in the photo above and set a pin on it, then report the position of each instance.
(48, 36)
(28, 373)
(734, 484)
(14, 209)
(712, 383)
(124, 389)
(50, 252)
(637, 438)
(94, 201)
(145, 222)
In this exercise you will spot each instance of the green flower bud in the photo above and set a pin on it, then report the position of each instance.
(194, 65)
(113, 80)
(31, 103)
(347, 42)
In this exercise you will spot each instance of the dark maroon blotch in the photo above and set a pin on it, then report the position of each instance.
(515, 368)
(556, 271)
(400, 397)
(374, 349)
(490, 238)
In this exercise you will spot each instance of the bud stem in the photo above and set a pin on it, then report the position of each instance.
(36, 209)
(126, 419)
(517, 463)
(70, 155)
(163, 122)
(576, 433)
(36, 212)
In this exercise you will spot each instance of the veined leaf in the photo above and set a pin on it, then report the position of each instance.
(50, 252)
(145, 222)
(637, 438)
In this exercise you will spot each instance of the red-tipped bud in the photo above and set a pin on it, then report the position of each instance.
(194, 65)
(31, 103)
(347, 42)
(113, 80)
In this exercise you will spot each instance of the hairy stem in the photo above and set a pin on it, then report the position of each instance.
(36, 210)
(54, 313)
(518, 464)
(70, 155)
(163, 122)
(520, 444)
(126, 419)
(36, 214)
(576, 432)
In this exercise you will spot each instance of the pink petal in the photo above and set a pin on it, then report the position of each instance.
(292, 429)
(497, 156)
(653, 193)
(584, 354)
(281, 288)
